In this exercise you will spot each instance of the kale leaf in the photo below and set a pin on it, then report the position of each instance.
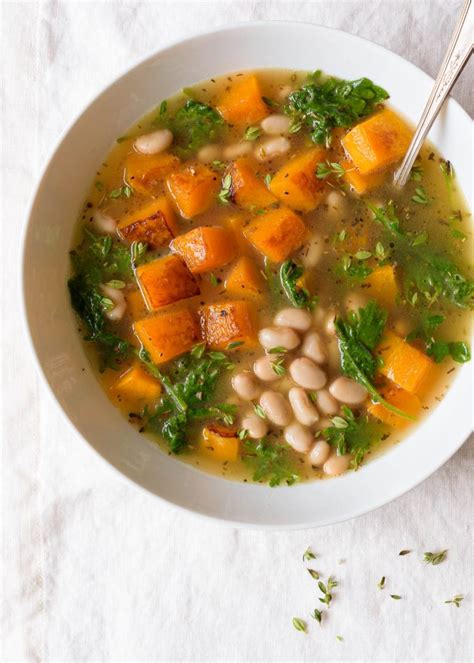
(333, 103)
(290, 273)
(194, 125)
(439, 349)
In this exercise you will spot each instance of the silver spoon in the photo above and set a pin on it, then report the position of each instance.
(458, 53)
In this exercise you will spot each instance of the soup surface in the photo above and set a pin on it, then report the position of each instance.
(254, 294)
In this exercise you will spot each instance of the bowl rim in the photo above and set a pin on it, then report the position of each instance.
(24, 314)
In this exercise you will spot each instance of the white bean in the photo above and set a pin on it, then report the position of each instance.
(236, 150)
(312, 251)
(158, 141)
(209, 153)
(273, 337)
(254, 425)
(314, 348)
(335, 204)
(245, 386)
(276, 408)
(336, 464)
(348, 391)
(307, 374)
(295, 318)
(319, 453)
(273, 147)
(284, 91)
(104, 223)
(303, 408)
(263, 368)
(275, 125)
(355, 301)
(327, 404)
(117, 297)
(298, 437)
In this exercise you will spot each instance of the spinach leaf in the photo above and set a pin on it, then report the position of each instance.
(333, 103)
(290, 273)
(194, 125)
(270, 462)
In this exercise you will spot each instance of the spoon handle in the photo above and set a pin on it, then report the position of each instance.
(459, 50)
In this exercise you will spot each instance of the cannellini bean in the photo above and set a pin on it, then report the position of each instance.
(329, 327)
(254, 425)
(312, 251)
(276, 408)
(314, 348)
(209, 153)
(273, 337)
(348, 391)
(296, 318)
(298, 437)
(158, 141)
(336, 464)
(104, 223)
(118, 298)
(319, 453)
(303, 408)
(327, 404)
(273, 147)
(307, 374)
(275, 125)
(263, 368)
(245, 386)
(236, 150)
(355, 301)
(284, 91)
(335, 204)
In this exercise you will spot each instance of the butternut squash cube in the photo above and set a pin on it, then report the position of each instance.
(135, 387)
(377, 142)
(245, 280)
(404, 401)
(146, 173)
(205, 248)
(382, 285)
(236, 224)
(225, 323)
(165, 281)
(154, 224)
(193, 189)
(296, 184)
(168, 335)
(361, 183)
(136, 305)
(220, 442)
(242, 103)
(406, 366)
(277, 233)
(248, 191)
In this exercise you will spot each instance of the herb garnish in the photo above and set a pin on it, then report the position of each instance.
(333, 103)
(226, 189)
(353, 435)
(421, 197)
(395, 596)
(327, 168)
(270, 462)
(404, 552)
(194, 124)
(252, 133)
(317, 615)
(123, 192)
(439, 349)
(435, 558)
(290, 273)
(314, 574)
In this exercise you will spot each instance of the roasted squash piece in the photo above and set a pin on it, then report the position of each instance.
(165, 281)
(135, 387)
(242, 103)
(146, 173)
(382, 285)
(221, 442)
(276, 233)
(236, 224)
(361, 183)
(205, 248)
(296, 184)
(193, 189)
(136, 305)
(167, 335)
(227, 322)
(245, 280)
(404, 365)
(249, 191)
(154, 224)
(377, 142)
(403, 400)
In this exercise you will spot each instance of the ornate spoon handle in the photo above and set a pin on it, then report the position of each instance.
(458, 53)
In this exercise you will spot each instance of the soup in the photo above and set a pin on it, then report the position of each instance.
(254, 294)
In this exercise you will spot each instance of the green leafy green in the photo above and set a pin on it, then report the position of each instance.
(270, 462)
(437, 348)
(193, 125)
(354, 435)
(190, 384)
(333, 103)
(427, 272)
(290, 273)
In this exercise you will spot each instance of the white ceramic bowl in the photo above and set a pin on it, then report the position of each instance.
(53, 329)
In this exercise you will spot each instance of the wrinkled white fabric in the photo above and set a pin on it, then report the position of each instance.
(95, 570)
